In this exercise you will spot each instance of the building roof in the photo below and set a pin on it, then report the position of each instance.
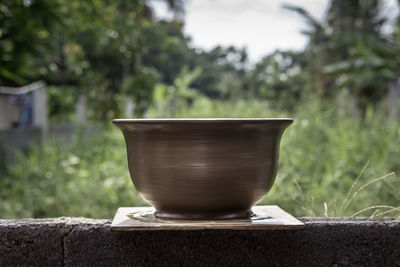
(4, 90)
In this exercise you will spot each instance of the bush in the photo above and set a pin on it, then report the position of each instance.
(86, 177)
(326, 157)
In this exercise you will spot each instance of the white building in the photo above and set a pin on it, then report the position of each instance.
(23, 106)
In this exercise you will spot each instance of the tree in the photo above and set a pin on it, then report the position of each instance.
(25, 32)
(338, 47)
(89, 47)
(279, 78)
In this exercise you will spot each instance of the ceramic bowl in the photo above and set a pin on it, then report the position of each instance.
(203, 168)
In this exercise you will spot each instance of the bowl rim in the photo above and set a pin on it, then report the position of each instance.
(201, 120)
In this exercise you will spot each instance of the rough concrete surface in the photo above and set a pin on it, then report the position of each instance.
(88, 242)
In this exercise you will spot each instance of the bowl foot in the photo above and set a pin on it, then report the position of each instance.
(204, 216)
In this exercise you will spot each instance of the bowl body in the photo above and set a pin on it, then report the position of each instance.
(202, 168)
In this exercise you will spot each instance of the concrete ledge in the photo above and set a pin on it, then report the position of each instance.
(87, 242)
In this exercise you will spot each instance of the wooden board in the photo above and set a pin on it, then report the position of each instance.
(264, 218)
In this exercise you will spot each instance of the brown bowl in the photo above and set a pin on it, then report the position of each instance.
(202, 168)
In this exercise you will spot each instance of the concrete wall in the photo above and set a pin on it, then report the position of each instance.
(40, 108)
(16, 140)
(87, 242)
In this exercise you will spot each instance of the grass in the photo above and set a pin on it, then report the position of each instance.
(330, 165)
(86, 177)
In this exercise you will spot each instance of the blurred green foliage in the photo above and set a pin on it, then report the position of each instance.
(111, 51)
(104, 50)
(322, 154)
(84, 177)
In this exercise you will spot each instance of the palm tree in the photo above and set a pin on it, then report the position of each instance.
(340, 44)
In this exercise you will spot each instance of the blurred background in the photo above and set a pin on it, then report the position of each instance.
(68, 67)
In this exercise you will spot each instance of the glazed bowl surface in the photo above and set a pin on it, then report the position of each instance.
(203, 168)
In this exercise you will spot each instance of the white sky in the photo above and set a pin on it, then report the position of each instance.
(260, 25)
